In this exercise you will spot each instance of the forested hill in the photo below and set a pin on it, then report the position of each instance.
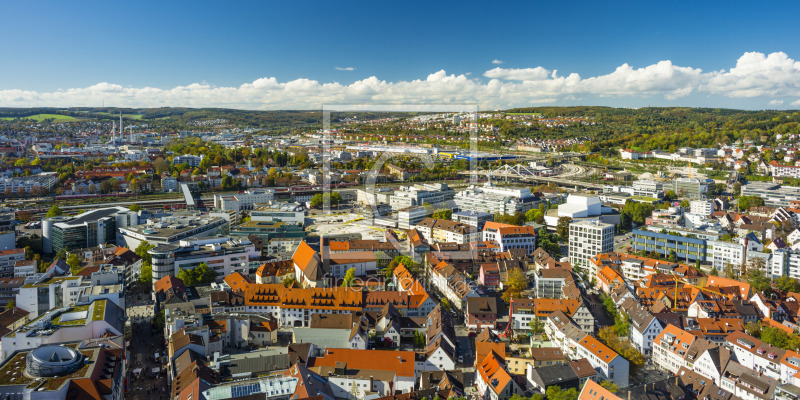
(663, 128)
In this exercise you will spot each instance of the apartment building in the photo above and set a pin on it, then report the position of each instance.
(8, 258)
(588, 238)
(409, 217)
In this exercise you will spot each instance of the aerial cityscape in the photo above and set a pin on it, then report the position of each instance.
(416, 201)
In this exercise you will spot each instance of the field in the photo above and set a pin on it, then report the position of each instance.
(42, 117)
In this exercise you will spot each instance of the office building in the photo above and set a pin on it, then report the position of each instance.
(224, 255)
(89, 229)
(243, 201)
(774, 195)
(8, 258)
(473, 218)
(409, 217)
(430, 193)
(290, 213)
(687, 249)
(492, 199)
(269, 230)
(587, 238)
(172, 229)
(692, 188)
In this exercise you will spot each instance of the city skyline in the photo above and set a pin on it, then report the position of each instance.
(301, 56)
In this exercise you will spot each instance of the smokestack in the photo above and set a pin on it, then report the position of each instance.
(121, 134)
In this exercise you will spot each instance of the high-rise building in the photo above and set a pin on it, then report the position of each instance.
(587, 238)
(88, 229)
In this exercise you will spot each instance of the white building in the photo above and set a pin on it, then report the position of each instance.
(587, 238)
(193, 161)
(8, 258)
(223, 254)
(243, 201)
(702, 207)
(491, 199)
(408, 217)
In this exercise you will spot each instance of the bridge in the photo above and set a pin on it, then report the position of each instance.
(522, 173)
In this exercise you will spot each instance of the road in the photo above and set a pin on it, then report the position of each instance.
(144, 342)
(622, 242)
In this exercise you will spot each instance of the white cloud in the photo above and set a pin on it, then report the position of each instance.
(345, 68)
(496, 62)
(775, 102)
(754, 75)
(795, 103)
(518, 74)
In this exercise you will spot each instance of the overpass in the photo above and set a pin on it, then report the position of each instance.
(522, 173)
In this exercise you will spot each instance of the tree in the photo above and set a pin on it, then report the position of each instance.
(745, 202)
(24, 216)
(756, 275)
(562, 228)
(74, 263)
(289, 282)
(445, 304)
(673, 257)
(537, 328)
(349, 278)
(610, 386)
(556, 393)
(197, 275)
(135, 207)
(713, 272)
(54, 211)
(11, 303)
(388, 272)
(737, 189)
(670, 195)
(685, 203)
(516, 282)
(443, 214)
(787, 284)
(160, 165)
(146, 274)
(142, 251)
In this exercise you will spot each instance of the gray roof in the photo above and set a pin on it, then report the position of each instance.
(561, 375)
(641, 318)
(323, 338)
(256, 362)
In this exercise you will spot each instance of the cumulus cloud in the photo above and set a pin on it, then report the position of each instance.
(518, 74)
(770, 77)
(345, 68)
(795, 103)
(496, 62)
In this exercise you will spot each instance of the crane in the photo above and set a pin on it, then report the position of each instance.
(702, 289)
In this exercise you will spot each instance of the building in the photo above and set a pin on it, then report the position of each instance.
(269, 230)
(173, 229)
(193, 161)
(409, 217)
(774, 195)
(516, 237)
(579, 207)
(473, 218)
(430, 193)
(446, 231)
(491, 199)
(9, 258)
(702, 207)
(494, 382)
(223, 254)
(587, 239)
(689, 249)
(66, 324)
(289, 213)
(89, 229)
(692, 188)
(243, 201)
(93, 369)
(481, 312)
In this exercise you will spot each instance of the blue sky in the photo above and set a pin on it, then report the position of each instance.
(146, 53)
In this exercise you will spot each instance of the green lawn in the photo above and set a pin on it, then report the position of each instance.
(42, 117)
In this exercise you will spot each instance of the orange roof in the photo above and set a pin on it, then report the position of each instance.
(593, 391)
(304, 257)
(609, 275)
(491, 225)
(775, 324)
(744, 287)
(400, 362)
(493, 373)
(516, 230)
(601, 351)
(682, 339)
(169, 282)
(545, 307)
(237, 281)
(482, 349)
